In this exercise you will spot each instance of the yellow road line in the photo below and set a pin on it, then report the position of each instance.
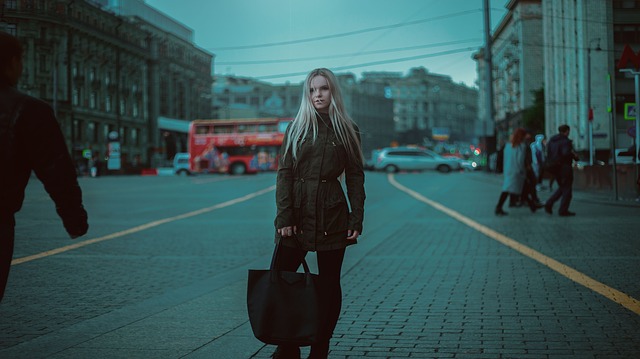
(611, 293)
(141, 227)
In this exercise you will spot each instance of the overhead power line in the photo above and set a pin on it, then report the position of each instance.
(382, 62)
(301, 59)
(344, 34)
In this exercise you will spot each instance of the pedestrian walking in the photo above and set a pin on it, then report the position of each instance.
(31, 140)
(560, 157)
(529, 191)
(321, 149)
(538, 159)
(514, 170)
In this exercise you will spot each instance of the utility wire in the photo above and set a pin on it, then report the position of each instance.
(255, 62)
(382, 62)
(344, 34)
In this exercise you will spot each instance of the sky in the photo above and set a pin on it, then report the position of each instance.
(279, 41)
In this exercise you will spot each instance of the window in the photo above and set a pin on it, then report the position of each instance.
(265, 128)
(223, 129)
(107, 103)
(76, 97)
(77, 130)
(93, 100)
(202, 130)
(123, 106)
(11, 4)
(627, 34)
(134, 137)
(12, 29)
(134, 109)
(247, 128)
(626, 4)
(92, 134)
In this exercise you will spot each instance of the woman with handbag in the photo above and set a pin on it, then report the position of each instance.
(320, 151)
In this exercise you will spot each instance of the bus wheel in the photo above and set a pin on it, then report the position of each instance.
(237, 169)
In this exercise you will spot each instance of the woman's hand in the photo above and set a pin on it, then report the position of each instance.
(288, 231)
(351, 234)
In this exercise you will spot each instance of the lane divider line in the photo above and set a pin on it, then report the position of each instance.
(141, 227)
(613, 294)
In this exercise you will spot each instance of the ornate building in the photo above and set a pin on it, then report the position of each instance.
(106, 71)
(238, 97)
(569, 48)
(518, 63)
(428, 107)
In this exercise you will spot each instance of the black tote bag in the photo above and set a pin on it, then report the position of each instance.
(283, 306)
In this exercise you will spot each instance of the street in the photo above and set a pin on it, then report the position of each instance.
(162, 272)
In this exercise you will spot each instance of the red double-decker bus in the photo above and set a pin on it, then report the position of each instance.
(235, 146)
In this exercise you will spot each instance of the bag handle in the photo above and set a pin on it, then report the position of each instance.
(305, 266)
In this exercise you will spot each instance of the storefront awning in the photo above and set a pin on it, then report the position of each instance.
(171, 124)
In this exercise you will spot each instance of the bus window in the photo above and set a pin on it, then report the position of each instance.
(223, 129)
(247, 128)
(267, 128)
(202, 130)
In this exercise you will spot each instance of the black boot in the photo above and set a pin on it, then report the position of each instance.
(503, 198)
(286, 352)
(319, 351)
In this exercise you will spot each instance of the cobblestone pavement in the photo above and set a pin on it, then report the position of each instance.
(420, 284)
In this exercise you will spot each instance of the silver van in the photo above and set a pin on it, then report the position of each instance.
(181, 164)
(394, 159)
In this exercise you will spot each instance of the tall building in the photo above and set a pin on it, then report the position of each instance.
(106, 71)
(572, 33)
(370, 110)
(517, 68)
(242, 97)
(569, 48)
(428, 107)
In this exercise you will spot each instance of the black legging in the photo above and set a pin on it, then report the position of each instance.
(6, 251)
(329, 267)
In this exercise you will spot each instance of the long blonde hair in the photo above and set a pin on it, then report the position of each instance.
(306, 119)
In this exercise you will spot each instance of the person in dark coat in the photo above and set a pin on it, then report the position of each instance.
(560, 157)
(31, 140)
(321, 152)
(514, 169)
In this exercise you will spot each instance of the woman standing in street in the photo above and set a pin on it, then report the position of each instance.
(514, 168)
(321, 150)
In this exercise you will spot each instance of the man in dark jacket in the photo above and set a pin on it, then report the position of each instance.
(31, 140)
(560, 156)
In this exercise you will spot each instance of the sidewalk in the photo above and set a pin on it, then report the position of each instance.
(419, 284)
(600, 196)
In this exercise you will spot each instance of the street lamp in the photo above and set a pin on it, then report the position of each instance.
(589, 109)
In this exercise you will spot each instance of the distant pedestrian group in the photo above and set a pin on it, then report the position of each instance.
(526, 162)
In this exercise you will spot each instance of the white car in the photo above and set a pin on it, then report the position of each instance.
(394, 159)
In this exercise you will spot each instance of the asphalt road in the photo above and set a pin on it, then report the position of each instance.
(162, 273)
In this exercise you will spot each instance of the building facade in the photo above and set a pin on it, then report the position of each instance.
(569, 48)
(238, 97)
(517, 69)
(241, 97)
(105, 72)
(428, 107)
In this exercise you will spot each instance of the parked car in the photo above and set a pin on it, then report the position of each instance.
(394, 159)
(181, 164)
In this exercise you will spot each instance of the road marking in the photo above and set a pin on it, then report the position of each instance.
(611, 293)
(141, 227)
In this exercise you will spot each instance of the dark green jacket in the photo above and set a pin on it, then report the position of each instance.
(310, 196)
